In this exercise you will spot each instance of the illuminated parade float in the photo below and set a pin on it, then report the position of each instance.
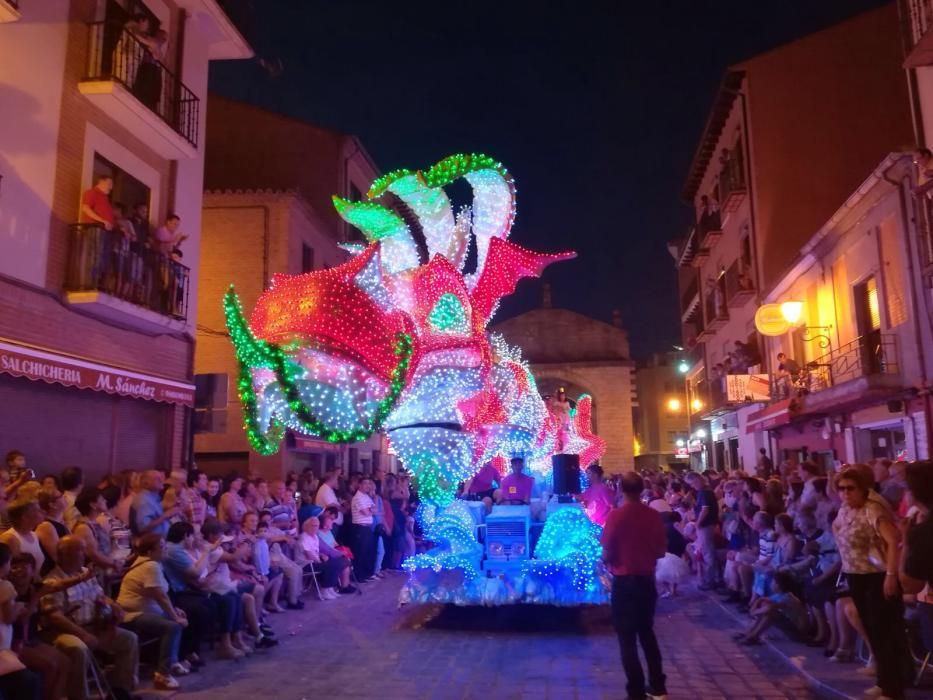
(395, 340)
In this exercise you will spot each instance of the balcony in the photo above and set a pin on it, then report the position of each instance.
(9, 11)
(920, 18)
(125, 81)
(740, 287)
(690, 299)
(732, 186)
(717, 314)
(856, 374)
(710, 227)
(123, 281)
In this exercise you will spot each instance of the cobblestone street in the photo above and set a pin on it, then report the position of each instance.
(364, 647)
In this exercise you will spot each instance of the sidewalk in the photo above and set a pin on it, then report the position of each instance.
(830, 680)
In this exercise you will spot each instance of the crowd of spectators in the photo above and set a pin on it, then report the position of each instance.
(91, 573)
(837, 559)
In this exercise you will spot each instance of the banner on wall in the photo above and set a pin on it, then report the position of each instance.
(747, 387)
(51, 368)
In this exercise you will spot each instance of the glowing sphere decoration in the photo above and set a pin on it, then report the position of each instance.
(396, 340)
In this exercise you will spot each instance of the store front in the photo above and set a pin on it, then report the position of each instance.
(61, 410)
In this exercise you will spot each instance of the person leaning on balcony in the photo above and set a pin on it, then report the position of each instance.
(95, 203)
(167, 236)
(923, 159)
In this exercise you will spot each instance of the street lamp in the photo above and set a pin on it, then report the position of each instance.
(700, 433)
(673, 405)
(680, 442)
(683, 367)
(792, 311)
(696, 405)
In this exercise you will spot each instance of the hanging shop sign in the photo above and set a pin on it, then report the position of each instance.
(747, 387)
(38, 365)
(771, 320)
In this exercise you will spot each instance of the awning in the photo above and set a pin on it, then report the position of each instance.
(52, 368)
(779, 413)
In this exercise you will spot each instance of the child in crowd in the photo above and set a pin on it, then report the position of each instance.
(672, 569)
(782, 607)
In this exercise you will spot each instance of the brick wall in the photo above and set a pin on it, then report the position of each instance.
(77, 113)
(37, 318)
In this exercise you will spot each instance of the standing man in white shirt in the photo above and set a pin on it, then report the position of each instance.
(327, 496)
(363, 539)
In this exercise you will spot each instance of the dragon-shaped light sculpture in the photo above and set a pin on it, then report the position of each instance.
(396, 338)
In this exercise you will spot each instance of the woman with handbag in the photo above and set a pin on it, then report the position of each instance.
(868, 546)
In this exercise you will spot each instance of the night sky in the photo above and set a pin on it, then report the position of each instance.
(595, 108)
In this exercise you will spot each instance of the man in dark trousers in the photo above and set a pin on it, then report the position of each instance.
(633, 541)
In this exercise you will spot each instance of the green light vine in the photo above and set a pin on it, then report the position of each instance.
(252, 353)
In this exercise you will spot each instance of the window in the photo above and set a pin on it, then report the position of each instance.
(307, 258)
(127, 190)
(353, 233)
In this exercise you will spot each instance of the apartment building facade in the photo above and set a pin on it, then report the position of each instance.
(779, 153)
(859, 334)
(96, 332)
(267, 210)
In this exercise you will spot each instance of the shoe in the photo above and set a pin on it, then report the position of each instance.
(868, 670)
(266, 630)
(195, 662)
(348, 590)
(371, 579)
(379, 574)
(179, 668)
(231, 653)
(842, 657)
(163, 681)
(332, 594)
(297, 605)
(266, 643)
(874, 692)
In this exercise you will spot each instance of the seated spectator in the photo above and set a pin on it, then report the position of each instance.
(16, 680)
(184, 567)
(53, 528)
(281, 507)
(16, 466)
(334, 567)
(149, 611)
(916, 564)
(147, 513)
(197, 483)
(219, 580)
(43, 659)
(81, 619)
(818, 568)
(752, 574)
(328, 519)
(782, 607)
(280, 545)
(90, 504)
(72, 481)
(232, 507)
(212, 498)
(25, 516)
(259, 558)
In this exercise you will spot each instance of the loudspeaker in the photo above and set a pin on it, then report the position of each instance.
(566, 474)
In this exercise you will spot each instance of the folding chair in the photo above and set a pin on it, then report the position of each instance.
(97, 678)
(309, 576)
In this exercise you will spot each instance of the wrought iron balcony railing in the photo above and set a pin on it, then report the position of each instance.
(106, 261)
(921, 18)
(867, 355)
(117, 54)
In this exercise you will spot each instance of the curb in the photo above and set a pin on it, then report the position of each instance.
(815, 683)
